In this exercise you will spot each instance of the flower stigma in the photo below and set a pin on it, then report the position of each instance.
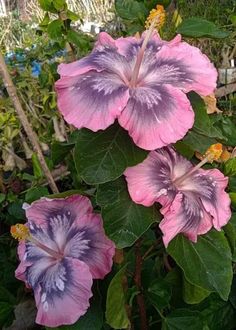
(21, 232)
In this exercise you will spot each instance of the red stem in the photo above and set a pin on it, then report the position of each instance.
(138, 282)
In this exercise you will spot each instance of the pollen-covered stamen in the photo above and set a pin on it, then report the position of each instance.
(21, 232)
(153, 22)
(159, 12)
(213, 153)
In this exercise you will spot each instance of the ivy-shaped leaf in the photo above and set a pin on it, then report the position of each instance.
(207, 263)
(183, 319)
(124, 220)
(103, 156)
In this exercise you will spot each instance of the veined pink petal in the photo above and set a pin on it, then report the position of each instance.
(87, 242)
(219, 207)
(183, 66)
(20, 271)
(185, 215)
(151, 180)
(93, 100)
(63, 294)
(147, 180)
(157, 116)
(40, 211)
(76, 68)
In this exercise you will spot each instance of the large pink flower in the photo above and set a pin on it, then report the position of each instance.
(62, 285)
(97, 89)
(191, 205)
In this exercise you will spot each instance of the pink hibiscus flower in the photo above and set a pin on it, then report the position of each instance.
(66, 250)
(193, 200)
(143, 87)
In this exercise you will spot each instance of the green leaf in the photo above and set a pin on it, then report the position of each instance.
(159, 293)
(131, 9)
(207, 263)
(6, 296)
(45, 21)
(60, 150)
(232, 196)
(7, 302)
(59, 4)
(103, 156)
(230, 167)
(227, 127)
(72, 16)
(217, 314)
(55, 29)
(183, 319)
(36, 167)
(35, 193)
(116, 315)
(133, 13)
(184, 149)
(232, 183)
(196, 27)
(47, 5)
(124, 220)
(230, 232)
(193, 294)
(2, 197)
(233, 19)
(232, 296)
(78, 39)
(16, 212)
(6, 312)
(203, 134)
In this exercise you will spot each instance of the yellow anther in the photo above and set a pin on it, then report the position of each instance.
(20, 231)
(214, 152)
(158, 15)
(226, 155)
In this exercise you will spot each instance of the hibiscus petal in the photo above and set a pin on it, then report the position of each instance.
(62, 293)
(104, 40)
(76, 68)
(20, 271)
(92, 100)
(151, 180)
(40, 211)
(185, 215)
(183, 66)
(129, 46)
(218, 205)
(86, 241)
(209, 185)
(104, 56)
(157, 116)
